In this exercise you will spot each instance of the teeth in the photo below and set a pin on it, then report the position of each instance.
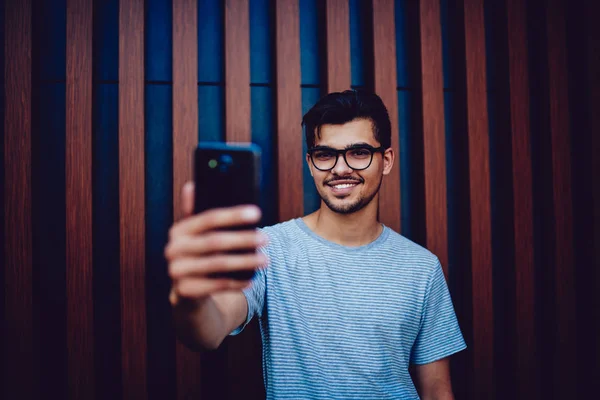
(344, 185)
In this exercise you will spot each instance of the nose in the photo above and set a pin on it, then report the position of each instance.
(341, 168)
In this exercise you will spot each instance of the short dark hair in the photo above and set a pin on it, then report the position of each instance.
(341, 107)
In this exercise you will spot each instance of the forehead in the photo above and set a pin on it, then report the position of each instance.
(340, 136)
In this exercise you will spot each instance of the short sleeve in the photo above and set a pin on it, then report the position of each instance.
(439, 334)
(255, 296)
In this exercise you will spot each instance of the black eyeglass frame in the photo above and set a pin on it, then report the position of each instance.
(343, 152)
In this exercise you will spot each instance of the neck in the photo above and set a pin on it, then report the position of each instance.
(352, 230)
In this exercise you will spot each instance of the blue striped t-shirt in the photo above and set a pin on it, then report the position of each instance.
(343, 322)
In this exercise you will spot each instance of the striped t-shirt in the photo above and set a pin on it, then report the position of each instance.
(343, 322)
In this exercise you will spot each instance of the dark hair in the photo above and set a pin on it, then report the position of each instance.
(340, 107)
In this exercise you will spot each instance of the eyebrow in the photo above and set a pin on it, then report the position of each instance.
(348, 147)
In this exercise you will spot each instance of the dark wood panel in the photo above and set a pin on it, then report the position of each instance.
(289, 110)
(338, 45)
(480, 206)
(524, 313)
(131, 198)
(19, 372)
(565, 365)
(434, 134)
(78, 163)
(185, 138)
(593, 54)
(384, 58)
(237, 71)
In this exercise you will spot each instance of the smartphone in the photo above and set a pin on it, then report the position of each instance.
(227, 175)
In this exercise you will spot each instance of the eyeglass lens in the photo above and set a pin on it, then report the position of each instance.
(356, 158)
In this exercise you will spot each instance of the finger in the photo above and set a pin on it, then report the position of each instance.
(222, 263)
(218, 218)
(214, 242)
(187, 198)
(195, 288)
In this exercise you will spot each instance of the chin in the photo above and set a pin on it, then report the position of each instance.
(344, 207)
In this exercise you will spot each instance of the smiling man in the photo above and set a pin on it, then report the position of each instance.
(345, 304)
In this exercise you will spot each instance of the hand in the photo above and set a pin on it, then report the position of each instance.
(197, 248)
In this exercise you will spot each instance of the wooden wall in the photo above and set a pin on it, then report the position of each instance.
(494, 108)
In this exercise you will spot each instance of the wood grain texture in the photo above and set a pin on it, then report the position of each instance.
(19, 362)
(434, 133)
(237, 71)
(565, 362)
(385, 81)
(480, 206)
(528, 382)
(185, 138)
(289, 110)
(78, 163)
(131, 198)
(338, 45)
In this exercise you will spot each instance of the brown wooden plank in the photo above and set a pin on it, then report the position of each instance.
(593, 54)
(80, 307)
(19, 376)
(565, 362)
(434, 134)
(131, 198)
(338, 45)
(526, 371)
(480, 206)
(185, 138)
(237, 71)
(384, 58)
(289, 110)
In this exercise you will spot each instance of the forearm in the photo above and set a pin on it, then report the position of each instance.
(200, 324)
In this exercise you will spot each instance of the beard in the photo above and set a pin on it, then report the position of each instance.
(353, 207)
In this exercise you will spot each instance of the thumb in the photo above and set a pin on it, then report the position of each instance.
(187, 198)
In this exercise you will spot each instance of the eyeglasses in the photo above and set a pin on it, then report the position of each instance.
(357, 157)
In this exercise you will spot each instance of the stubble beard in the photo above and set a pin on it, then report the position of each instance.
(353, 207)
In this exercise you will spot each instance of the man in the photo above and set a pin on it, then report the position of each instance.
(345, 304)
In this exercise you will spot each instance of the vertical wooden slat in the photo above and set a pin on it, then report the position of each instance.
(80, 310)
(526, 373)
(565, 363)
(20, 378)
(480, 206)
(131, 197)
(434, 140)
(289, 109)
(338, 45)
(237, 71)
(185, 137)
(384, 58)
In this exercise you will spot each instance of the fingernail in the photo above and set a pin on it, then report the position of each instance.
(251, 213)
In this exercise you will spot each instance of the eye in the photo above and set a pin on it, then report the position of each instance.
(323, 154)
(359, 153)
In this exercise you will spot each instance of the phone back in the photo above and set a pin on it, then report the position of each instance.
(227, 175)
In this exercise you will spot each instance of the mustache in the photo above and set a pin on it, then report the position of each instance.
(344, 178)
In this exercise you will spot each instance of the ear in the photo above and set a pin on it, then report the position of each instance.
(309, 164)
(388, 161)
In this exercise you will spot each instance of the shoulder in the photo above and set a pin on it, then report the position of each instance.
(409, 253)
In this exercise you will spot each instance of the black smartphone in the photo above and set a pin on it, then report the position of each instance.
(227, 175)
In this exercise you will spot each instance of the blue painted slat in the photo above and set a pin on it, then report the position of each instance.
(403, 26)
(260, 42)
(49, 235)
(106, 40)
(211, 58)
(159, 212)
(312, 201)
(263, 131)
(406, 110)
(211, 113)
(159, 40)
(106, 269)
(49, 40)
(357, 35)
(309, 43)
